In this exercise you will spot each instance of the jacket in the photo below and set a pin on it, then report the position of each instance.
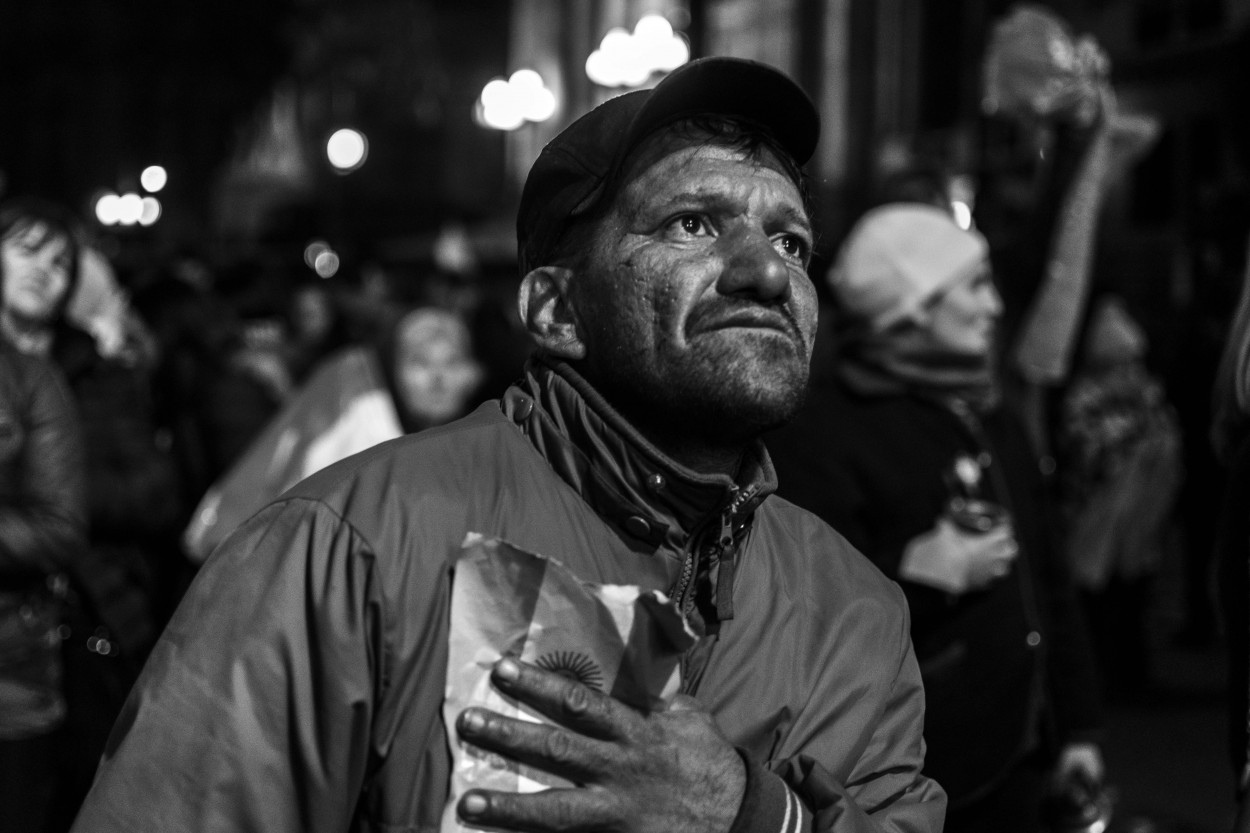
(1007, 670)
(299, 685)
(42, 531)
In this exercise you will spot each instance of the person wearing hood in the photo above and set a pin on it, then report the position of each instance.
(912, 454)
(132, 487)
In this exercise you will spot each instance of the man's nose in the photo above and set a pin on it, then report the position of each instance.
(754, 267)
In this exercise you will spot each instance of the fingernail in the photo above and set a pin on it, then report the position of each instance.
(472, 720)
(507, 669)
(473, 805)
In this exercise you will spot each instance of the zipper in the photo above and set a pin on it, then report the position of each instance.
(723, 543)
(694, 660)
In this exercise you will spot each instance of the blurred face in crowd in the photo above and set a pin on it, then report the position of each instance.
(693, 301)
(312, 313)
(35, 268)
(434, 367)
(962, 318)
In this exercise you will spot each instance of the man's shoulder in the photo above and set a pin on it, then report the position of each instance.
(820, 550)
(451, 453)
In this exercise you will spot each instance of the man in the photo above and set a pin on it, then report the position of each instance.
(664, 242)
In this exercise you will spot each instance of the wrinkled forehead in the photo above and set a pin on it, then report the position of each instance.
(699, 147)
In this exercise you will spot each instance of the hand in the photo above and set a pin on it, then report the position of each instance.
(1084, 759)
(954, 560)
(670, 770)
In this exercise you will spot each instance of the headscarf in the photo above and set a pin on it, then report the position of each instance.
(894, 262)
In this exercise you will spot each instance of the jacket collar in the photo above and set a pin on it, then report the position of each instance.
(614, 468)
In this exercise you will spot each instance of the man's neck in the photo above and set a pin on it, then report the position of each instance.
(695, 454)
(699, 452)
(30, 337)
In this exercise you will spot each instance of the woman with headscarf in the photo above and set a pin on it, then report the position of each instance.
(912, 454)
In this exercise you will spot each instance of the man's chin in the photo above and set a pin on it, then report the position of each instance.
(751, 406)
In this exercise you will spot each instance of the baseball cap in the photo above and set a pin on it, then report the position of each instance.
(573, 169)
(897, 257)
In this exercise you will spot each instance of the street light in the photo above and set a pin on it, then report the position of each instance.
(508, 104)
(347, 149)
(629, 59)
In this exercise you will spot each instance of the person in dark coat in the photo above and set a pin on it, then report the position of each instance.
(43, 527)
(133, 502)
(910, 452)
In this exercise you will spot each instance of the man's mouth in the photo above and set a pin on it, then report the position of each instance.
(755, 318)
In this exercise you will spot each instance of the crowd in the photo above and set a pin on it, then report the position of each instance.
(228, 539)
(129, 402)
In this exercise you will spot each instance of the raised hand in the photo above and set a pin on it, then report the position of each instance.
(669, 771)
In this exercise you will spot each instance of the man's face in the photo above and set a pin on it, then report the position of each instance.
(35, 267)
(694, 300)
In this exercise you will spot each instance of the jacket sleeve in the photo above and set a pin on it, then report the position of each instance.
(44, 528)
(254, 711)
(886, 792)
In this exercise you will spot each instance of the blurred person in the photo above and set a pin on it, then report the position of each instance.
(43, 527)
(912, 454)
(195, 331)
(249, 386)
(132, 488)
(664, 242)
(1119, 449)
(315, 328)
(100, 306)
(419, 373)
(1230, 440)
(429, 364)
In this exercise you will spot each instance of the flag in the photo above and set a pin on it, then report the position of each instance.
(343, 408)
(616, 639)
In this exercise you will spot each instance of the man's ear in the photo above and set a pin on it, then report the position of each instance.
(543, 302)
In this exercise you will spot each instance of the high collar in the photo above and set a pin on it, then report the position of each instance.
(626, 479)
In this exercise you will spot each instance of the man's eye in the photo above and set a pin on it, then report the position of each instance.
(792, 246)
(690, 224)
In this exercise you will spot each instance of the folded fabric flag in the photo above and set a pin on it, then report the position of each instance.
(345, 407)
(507, 602)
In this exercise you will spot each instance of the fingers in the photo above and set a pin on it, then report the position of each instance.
(550, 811)
(577, 748)
(565, 701)
(539, 745)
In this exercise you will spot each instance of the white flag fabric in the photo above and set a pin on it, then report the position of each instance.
(507, 602)
(343, 408)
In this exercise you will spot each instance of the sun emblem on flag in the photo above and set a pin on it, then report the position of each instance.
(574, 665)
